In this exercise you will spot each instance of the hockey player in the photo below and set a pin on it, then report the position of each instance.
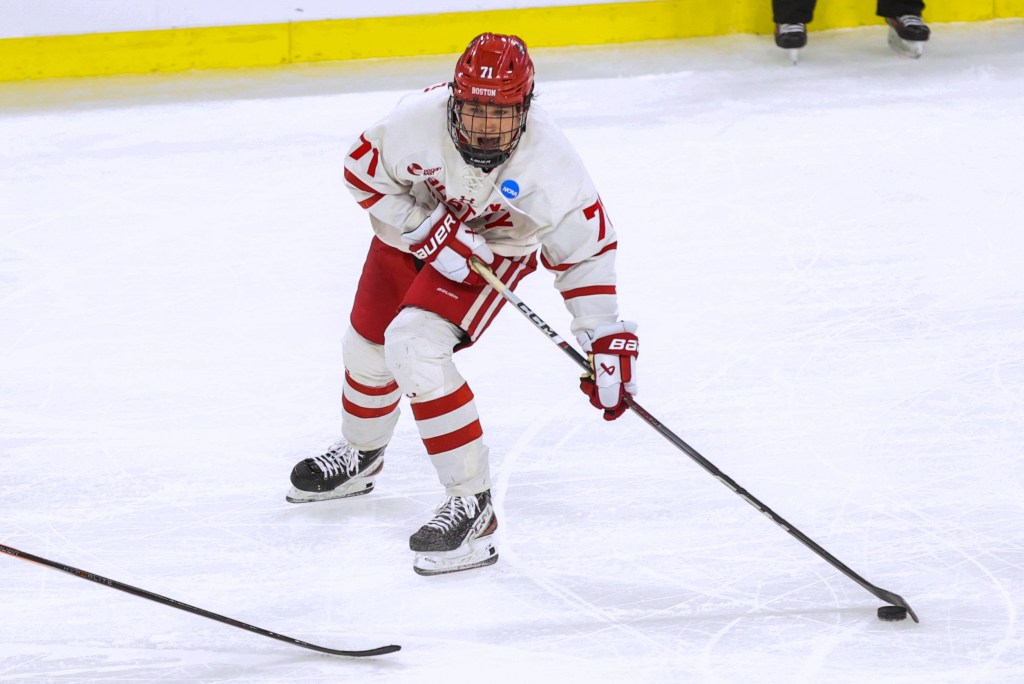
(907, 31)
(471, 168)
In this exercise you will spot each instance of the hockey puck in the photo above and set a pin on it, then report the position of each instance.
(892, 613)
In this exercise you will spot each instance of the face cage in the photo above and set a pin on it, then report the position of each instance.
(486, 158)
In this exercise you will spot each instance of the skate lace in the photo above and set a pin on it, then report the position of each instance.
(339, 458)
(911, 20)
(791, 28)
(451, 510)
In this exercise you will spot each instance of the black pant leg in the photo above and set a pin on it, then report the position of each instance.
(793, 11)
(897, 8)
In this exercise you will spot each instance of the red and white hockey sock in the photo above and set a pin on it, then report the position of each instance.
(450, 428)
(369, 413)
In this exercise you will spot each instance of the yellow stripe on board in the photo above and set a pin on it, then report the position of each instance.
(1004, 9)
(139, 52)
(539, 27)
(269, 44)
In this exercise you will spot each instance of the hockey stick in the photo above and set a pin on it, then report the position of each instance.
(889, 597)
(382, 650)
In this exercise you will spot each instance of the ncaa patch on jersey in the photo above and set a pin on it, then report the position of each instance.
(510, 189)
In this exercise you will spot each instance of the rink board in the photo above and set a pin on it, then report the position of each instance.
(182, 49)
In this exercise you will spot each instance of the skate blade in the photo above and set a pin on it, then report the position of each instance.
(907, 48)
(480, 553)
(794, 54)
(351, 488)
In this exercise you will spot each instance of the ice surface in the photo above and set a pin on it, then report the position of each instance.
(825, 261)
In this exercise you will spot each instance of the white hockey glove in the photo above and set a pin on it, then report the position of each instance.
(613, 350)
(446, 243)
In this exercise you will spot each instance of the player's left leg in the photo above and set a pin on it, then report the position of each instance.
(439, 317)
(418, 349)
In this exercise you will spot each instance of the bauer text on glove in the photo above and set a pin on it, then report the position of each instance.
(446, 243)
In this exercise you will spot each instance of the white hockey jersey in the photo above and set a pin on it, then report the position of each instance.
(542, 197)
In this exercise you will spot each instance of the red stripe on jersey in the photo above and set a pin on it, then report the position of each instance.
(370, 201)
(548, 265)
(425, 410)
(355, 182)
(502, 220)
(587, 291)
(566, 267)
(455, 439)
(368, 390)
(364, 412)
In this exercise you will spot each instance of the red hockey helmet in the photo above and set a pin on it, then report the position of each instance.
(490, 99)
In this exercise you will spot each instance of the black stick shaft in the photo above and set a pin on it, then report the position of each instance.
(538, 322)
(142, 593)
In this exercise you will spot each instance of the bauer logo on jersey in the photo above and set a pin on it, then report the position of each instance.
(510, 189)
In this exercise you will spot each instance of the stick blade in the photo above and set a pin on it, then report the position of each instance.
(897, 600)
(380, 650)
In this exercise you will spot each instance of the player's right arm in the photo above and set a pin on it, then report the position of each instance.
(387, 199)
(413, 127)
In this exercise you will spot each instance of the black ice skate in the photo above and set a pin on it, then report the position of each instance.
(907, 34)
(791, 37)
(458, 538)
(342, 471)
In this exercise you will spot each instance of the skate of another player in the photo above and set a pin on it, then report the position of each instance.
(907, 33)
